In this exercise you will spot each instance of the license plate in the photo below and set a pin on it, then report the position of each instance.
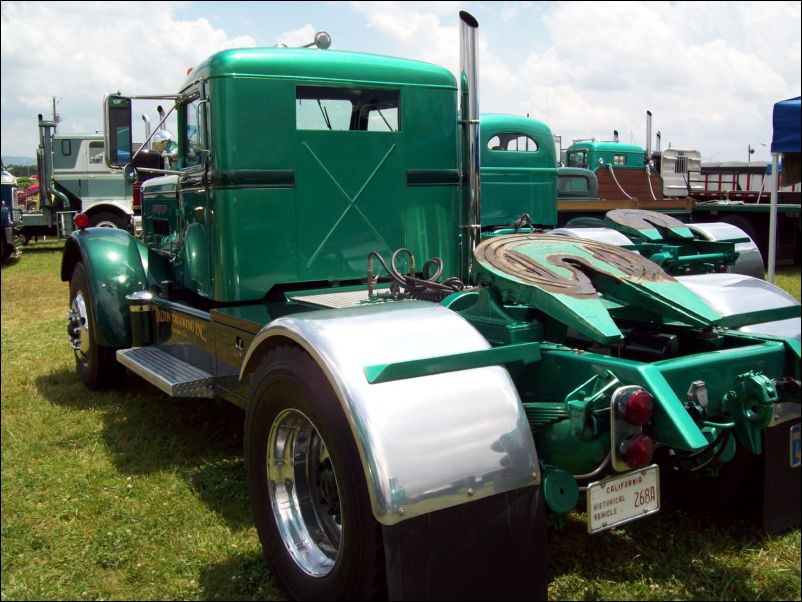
(624, 498)
(795, 449)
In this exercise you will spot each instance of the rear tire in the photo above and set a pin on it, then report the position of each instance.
(307, 486)
(96, 366)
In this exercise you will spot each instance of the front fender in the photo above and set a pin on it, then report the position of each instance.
(116, 265)
(427, 442)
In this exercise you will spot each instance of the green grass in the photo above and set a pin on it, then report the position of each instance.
(134, 495)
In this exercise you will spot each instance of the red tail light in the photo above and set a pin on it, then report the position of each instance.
(137, 196)
(637, 451)
(635, 405)
(81, 221)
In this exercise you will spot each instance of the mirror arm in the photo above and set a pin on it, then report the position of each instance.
(166, 172)
(158, 127)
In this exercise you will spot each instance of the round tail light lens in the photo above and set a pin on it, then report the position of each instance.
(636, 406)
(637, 451)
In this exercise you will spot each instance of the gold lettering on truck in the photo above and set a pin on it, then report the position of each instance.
(183, 322)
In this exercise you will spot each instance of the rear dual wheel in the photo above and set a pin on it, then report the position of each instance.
(307, 487)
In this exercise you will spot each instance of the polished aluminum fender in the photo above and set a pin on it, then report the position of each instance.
(749, 262)
(733, 294)
(428, 442)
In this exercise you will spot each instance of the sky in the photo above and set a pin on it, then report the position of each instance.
(710, 72)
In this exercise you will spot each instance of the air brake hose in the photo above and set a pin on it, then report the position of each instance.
(612, 172)
(649, 179)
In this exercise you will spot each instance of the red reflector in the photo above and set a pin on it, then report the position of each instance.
(637, 451)
(137, 194)
(81, 221)
(636, 406)
(689, 271)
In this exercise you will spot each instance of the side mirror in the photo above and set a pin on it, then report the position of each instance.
(118, 137)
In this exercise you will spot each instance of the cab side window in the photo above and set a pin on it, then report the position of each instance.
(512, 142)
(96, 156)
(577, 159)
(194, 141)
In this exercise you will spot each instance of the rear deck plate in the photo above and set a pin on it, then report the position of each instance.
(624, 498)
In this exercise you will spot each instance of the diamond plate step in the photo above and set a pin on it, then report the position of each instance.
(170, 374)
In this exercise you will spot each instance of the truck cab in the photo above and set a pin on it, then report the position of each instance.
(94, 189)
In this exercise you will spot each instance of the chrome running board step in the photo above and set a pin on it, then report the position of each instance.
(170, 374)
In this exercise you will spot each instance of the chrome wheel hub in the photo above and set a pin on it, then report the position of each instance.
(303, 493)
(78, 326)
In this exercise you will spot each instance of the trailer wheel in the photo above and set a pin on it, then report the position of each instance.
(106, 219)
(96, 366)
(307, 488)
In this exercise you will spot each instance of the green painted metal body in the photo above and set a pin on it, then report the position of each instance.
(281, 204)
(598, 155)
(117, 265)
(519, 171)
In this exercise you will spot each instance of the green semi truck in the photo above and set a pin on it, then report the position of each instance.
(430, 382)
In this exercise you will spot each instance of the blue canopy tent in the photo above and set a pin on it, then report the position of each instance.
(787, 122)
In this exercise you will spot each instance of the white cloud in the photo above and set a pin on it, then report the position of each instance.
(710, 72)
(80, 51)
(298, 37)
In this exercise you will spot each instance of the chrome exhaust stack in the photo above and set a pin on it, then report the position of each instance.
(469, 119)
(648, 136)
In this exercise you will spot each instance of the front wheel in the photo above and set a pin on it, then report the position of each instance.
(96, 366)
(307, 487)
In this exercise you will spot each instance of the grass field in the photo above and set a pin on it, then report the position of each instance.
(133, 495)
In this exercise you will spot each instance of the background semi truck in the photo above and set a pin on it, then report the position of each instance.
(428, 385)
(73, 178)
(676, 182)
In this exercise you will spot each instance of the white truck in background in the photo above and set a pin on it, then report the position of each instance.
(73, 178)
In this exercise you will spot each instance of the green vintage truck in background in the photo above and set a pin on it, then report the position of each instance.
(430, 381)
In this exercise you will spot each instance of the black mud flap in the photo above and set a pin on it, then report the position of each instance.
(490, 549)
(763, 489)
(780, 507)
